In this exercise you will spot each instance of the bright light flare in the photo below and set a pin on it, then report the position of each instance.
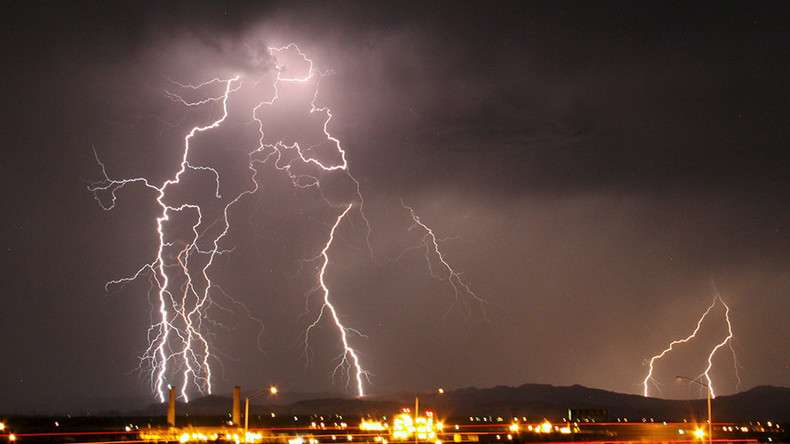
(422, 428)
(372, 426)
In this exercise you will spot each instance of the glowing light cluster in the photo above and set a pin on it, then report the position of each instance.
(726, 341)
(198, 435)
(180, 352)
(373, 426)
(405, 427)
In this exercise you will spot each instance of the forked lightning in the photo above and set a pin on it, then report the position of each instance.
(180, 352)
(726, 341)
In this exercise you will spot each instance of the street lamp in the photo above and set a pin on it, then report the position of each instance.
(272, 390)
(417, 411)
(707, 388)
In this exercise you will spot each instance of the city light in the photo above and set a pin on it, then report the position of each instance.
(372, 425)
(201, 435)
(421, 428)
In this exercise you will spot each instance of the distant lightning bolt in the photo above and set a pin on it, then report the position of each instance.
(727, 341)
(717, 299)
(179, 350)
(649, 377)
(431, 246)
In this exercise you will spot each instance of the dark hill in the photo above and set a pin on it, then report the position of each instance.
(762, 403)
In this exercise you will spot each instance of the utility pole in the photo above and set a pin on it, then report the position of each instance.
(707, 388)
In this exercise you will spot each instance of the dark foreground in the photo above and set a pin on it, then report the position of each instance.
(330, 429)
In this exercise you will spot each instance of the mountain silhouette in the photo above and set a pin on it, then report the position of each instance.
(763, 403)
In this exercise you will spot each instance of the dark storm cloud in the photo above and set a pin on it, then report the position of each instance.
(656, 129)
(584, 96)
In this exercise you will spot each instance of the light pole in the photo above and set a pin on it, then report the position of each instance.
(272, 390)
(707, 388)
(416, 415)
(417, 411)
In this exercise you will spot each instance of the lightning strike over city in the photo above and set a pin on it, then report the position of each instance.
(706, 374)
(469, 207)
(179, 350)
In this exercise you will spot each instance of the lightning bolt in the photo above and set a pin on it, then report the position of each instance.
(191, 235)
(177, 339)
(431, 246)
(727, 341)
(349, 358)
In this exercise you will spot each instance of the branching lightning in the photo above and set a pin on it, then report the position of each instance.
(349, 358)
(180, 351)
(726, 341)
(177, 341)
(431, 245)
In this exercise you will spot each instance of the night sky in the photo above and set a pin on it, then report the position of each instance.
(597, 171)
